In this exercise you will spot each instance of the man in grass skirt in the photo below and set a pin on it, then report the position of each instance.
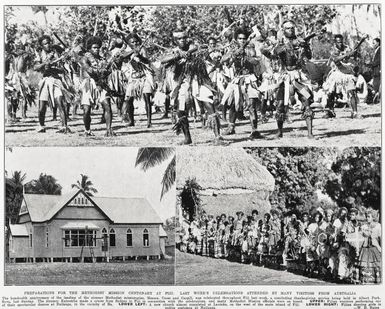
(190, 81)
(140, 79)
(94, 87)
(117, 81)
(243, 88)
(18, 91)
(293, 53)
(51, 88)
(342, 78)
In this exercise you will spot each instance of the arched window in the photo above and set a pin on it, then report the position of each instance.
(146, 238)
(67, 238)
(104, 239)
(46, 237)
(30, 240)
(112, 238)
(129, 238)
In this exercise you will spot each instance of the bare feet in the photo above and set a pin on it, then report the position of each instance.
(109, 133)
(255, 135)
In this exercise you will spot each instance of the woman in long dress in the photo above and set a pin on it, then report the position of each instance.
(369, 264)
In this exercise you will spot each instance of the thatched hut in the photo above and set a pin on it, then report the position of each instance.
(230, 178)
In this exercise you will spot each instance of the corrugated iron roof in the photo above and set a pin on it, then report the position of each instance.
(42, 207)
(18, 229)
(127, 210)
(119, 210)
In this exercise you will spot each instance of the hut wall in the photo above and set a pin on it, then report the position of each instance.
(229, 204)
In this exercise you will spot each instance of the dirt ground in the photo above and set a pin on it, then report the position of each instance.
(197, 270)
(341, 131)
(153, 272)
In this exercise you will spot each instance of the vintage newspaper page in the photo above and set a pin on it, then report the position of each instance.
(191, 155)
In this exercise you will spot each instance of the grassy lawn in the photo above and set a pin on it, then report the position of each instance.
(153, 272)
(197, 270)
(341, 131)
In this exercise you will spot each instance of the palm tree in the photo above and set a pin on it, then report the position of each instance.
(190, 198)
(152, 156)
(45, 184)
(14, 195)
(13, 200)
(85, 184)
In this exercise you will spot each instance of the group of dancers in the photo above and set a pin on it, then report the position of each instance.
(239, 69)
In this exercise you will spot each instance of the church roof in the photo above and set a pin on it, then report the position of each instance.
(119, 210)
(127, 210)
(18, 229)
(42, 207)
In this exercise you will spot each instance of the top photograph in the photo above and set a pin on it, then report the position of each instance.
(193, 75)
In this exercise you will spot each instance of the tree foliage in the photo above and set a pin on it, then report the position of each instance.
(298, 173)
(159, 22)
(155, 24)
(151, 156)
(85, 184)
(190, 200)
(347, 177)
(45, 184)
(13, 196)
(358, 176)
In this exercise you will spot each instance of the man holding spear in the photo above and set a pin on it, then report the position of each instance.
(51, 88)
(243, 88)
(140, 79)
(342, 77)
(190, 81)
(293, 52)
(95, 89)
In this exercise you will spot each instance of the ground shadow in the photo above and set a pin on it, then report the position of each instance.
(340, 133)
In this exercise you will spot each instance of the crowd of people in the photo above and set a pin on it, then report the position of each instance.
(342, 246)
(240, 69)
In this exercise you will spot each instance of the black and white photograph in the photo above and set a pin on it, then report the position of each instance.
(79, 216)
(279, 216)
(192, 155)
(241, 75)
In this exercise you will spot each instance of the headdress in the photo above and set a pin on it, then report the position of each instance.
(179, 34)
(93, 40)
(288, 21)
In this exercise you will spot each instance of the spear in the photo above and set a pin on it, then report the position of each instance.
(60, 40)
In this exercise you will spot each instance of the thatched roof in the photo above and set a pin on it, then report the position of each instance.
(230, 204)
(222, 168)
